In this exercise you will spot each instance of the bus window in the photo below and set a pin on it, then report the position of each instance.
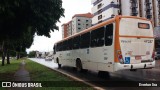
(65, 45)
(57, 47)
(61, 46)
(97, 37)
(70, 44)
(85, 40)
(109, 35)
(76, 42)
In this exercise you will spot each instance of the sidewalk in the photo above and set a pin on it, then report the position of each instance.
(21, 75)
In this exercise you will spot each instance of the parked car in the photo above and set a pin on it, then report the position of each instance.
(48, 58)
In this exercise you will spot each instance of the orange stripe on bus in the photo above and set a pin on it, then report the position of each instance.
(117, 44)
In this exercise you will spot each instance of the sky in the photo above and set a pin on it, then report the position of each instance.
(72, 7)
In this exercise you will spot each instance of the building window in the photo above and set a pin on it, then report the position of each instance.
(86, 20)
(79, 28)
(100, 11)
(79, 24)
(79, 20)
(87, 25)
(99, 17)
(99, 6)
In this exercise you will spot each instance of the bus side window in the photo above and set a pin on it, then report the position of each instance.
(97, 37)
(61, 46)
(109, 35)
(57, 47)
(64, 45)
(85, 40)
(76, 42)
(70, 44)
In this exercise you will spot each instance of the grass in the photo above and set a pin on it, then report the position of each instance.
(38, 73)
(41, 73)
(7, 71)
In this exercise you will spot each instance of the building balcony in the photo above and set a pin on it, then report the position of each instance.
(134, 12)
(148, 8)
(134, 6)
(148, 13)
(133, 1)
(148, 16)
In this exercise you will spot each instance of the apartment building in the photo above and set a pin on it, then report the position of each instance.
(103, 10)
(64, 30)
(78, 23)
(106, 9)
(81, 22)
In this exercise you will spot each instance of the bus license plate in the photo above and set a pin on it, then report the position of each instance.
(138, 58)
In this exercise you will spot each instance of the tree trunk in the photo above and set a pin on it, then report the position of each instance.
(8, 61)
(18, 55)
(3, 54)
(3, 58)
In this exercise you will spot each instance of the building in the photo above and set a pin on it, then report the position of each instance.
(103, 10)
(67, 29)
(78, 23)
(64, 31)
(106, 9)
(81, 22)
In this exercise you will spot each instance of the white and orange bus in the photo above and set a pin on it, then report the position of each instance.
(123, 42)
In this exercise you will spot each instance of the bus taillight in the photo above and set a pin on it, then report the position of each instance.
(153, 55)
(120, 57)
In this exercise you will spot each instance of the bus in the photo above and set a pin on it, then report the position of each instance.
(120, 43)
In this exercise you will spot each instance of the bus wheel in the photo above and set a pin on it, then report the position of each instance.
(103, 74)
(59, 65)
(78, 65)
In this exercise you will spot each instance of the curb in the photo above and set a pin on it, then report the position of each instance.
(73, 77)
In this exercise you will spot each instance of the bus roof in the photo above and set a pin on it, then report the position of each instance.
(100, 25)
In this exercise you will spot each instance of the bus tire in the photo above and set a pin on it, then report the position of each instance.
(104, 74)
(133, 70)
(78, 65)
(59, 65)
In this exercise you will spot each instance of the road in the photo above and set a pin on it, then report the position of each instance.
(91, 76)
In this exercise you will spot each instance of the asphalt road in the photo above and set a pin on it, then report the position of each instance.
(149, 75)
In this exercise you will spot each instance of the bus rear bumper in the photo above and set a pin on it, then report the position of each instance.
(118, 66)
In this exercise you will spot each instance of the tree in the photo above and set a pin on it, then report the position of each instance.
(32, 54)
(34, 16)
